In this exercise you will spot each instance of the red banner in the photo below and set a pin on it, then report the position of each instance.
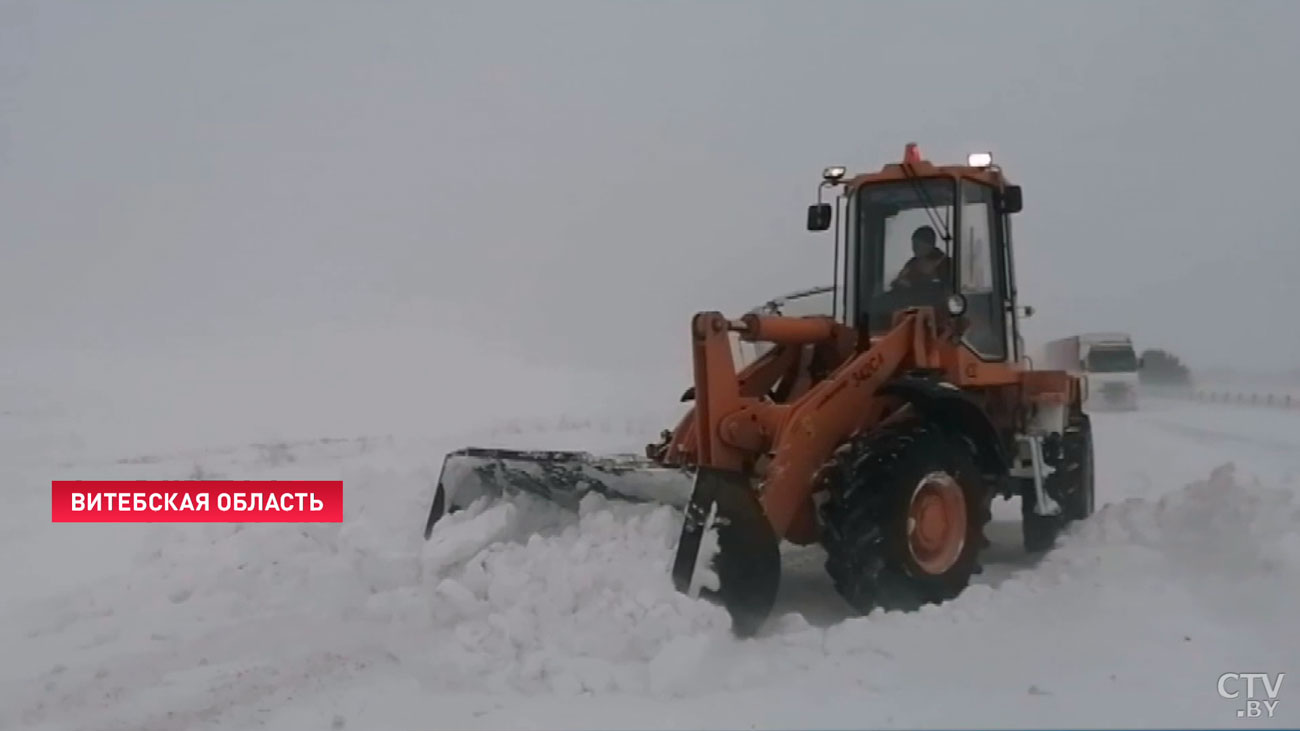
(196, 501)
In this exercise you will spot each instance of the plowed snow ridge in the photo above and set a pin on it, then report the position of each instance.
(523, 615)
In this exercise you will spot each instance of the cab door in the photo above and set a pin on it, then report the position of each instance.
(980, 272)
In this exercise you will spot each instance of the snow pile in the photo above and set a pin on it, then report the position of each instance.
(1148, 600)
(583, 605)
(587, 607)
(1236, 545)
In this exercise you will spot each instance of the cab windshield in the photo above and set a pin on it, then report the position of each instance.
(1112, 360)
(902, 232)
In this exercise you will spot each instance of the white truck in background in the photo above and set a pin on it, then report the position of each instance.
(1106, 360)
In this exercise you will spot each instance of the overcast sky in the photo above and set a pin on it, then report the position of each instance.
(573, 180)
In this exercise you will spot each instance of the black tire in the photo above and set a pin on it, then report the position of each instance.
(1072, 486)
(871, 481)
(1080, 502)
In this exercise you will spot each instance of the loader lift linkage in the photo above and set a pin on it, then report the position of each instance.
(882, 431)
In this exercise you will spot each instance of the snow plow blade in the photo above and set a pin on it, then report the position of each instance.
(563, 478)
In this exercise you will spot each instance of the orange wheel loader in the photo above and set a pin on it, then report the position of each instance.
(882, 432)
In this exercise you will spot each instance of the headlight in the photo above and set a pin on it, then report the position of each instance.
(834, 173)
(956, 305)
(979, 159)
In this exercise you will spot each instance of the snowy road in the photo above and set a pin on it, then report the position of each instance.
(509, 619)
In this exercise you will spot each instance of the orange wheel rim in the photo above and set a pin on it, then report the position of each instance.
(936, 523)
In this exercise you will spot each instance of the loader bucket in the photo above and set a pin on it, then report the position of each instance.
(563, 478)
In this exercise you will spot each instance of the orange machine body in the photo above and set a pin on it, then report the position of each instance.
(780, 419)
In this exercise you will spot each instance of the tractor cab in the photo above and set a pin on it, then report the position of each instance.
(920, 235)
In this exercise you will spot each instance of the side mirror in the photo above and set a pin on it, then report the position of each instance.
(1011, 200)
(819, 217)
(1142, 363)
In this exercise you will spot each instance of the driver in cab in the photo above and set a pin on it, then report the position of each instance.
(928, 262)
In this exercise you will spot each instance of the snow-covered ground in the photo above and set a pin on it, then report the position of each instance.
(522, 616)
